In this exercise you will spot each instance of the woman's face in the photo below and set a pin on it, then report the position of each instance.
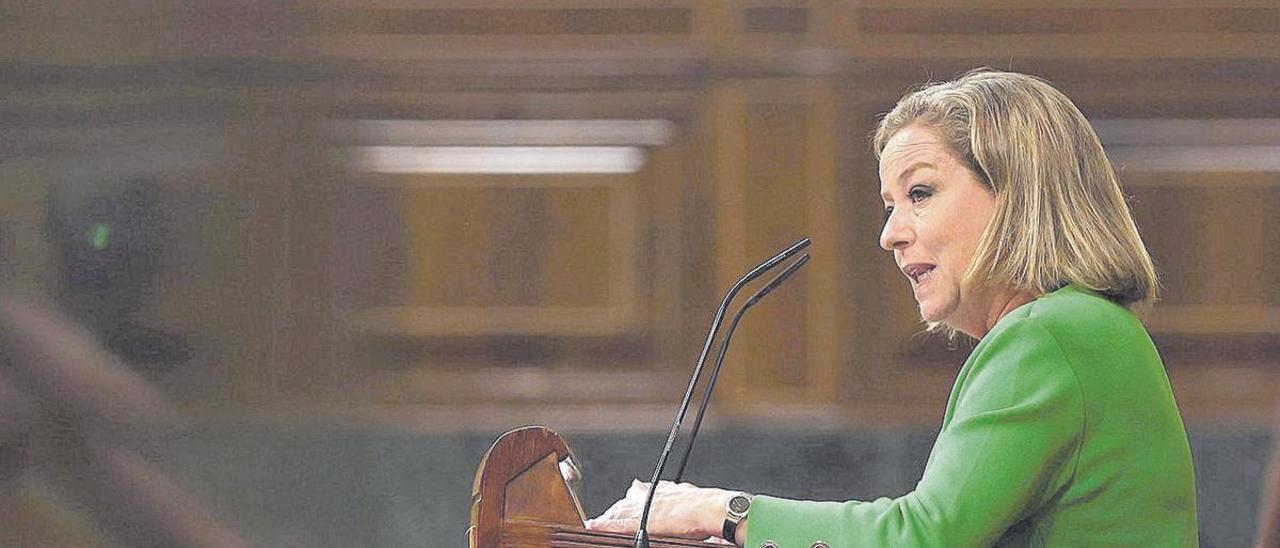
(936, 209)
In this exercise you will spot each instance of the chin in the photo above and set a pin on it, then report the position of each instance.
(932, 312)
(928, 315)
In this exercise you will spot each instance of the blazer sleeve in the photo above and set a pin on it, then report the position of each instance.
(1008, 444)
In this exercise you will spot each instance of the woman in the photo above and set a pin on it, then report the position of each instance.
(1061, 430)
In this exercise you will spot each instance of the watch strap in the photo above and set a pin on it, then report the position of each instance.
(733, 517)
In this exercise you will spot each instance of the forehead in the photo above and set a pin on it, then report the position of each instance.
(909, 147)
(915, 148)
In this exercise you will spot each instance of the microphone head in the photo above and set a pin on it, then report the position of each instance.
(777, 280)
(769, 264)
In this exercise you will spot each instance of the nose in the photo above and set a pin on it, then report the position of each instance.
(897, 233)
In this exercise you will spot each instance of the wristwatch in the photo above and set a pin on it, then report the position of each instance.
(734, 512)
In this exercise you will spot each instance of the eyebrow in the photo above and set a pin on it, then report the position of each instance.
(885, 196)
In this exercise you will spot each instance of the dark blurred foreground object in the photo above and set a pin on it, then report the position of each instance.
(75, 414)
(107, 252)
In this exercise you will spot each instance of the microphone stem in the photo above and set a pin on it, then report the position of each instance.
(706, 395)
(642, 537)
(724, 349)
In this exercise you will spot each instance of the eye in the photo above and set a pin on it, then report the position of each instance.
(888, 210)
(918, 193)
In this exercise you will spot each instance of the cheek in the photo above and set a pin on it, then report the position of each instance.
(960, 241)
(971, 237)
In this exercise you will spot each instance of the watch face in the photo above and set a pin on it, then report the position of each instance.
(739, 504)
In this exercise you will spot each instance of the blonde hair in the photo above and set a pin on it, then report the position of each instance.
(1060, 216)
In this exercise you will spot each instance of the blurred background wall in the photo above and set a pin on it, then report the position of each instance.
(354, 241)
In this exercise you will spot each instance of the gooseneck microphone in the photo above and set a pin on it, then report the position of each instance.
(724, 347)
(642, 535)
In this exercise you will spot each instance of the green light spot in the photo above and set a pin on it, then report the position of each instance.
(98, 236)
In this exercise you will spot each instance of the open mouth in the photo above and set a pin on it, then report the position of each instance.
(918, 272)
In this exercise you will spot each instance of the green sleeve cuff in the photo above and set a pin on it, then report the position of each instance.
(784, 523)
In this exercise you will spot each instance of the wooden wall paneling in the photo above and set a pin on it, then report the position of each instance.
(264, 297)
(521, 288)
(1152, 88)
(714, 28)
(1232, 229)
(837, 24)
(775, 20)
(779, 37)
(603, 229)
(249, 263)
(85, 33)
(268, 291)
(402, 98)
(829, 336)
(775, 166)
(1176, 245)
(726, 116)
(775, 192)
(1216, 319)
(624, 235)
(1226, 394)
(492, 255)
(863, 263)
(758, 27)
(400, 31)
(762, 26)
(894, 31)
(593, 224)
(1061, 4)
(1211, 236)
(1234, 219)
(669, 298)
(1270, 282)
(263, 294)
(25, 261)
(450, 234)
(601, 322)
(312, 363)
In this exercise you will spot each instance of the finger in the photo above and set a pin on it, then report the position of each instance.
(624, 508)
(625, 525)
(638, 489)
(610, 513)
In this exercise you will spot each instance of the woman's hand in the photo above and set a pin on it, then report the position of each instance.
(679, 510)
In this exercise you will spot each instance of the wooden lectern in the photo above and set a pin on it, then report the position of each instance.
(524, 496)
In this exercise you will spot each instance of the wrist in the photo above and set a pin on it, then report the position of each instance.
(740, 538)
(717, 506)
(735, 514)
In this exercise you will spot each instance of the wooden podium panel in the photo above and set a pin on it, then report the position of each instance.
(523, 496)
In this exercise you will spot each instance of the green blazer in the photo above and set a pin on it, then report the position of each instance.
(1061, 430)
